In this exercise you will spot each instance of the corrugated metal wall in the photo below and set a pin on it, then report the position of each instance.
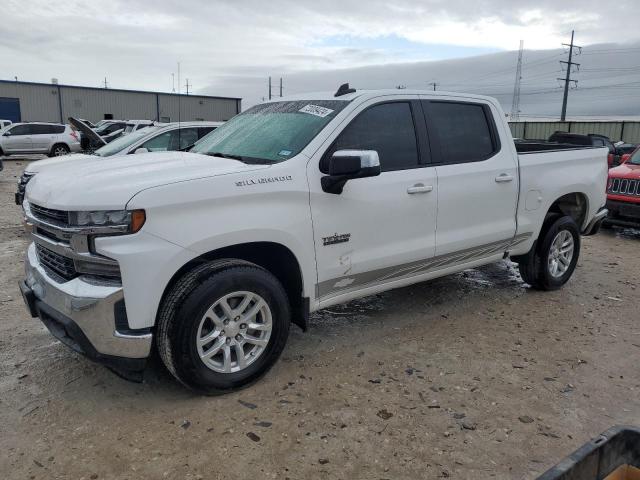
(53, 103)
(37, 102)
(196, 108)
(626, 131)
(94, 104)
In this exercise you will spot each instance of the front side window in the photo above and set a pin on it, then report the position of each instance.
(121, 143)
(20, 130)
(386, 128)
(462, 130)
(270, 132)
(174, 140)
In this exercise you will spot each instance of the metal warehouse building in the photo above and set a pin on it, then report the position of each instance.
(51, 102)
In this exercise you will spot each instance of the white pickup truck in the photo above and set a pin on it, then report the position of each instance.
(290, 207)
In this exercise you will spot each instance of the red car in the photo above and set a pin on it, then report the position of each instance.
(623, 192)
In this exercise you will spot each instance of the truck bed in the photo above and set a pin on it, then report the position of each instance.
(535, 146)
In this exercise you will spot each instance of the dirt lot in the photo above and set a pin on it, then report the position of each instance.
(470, 376)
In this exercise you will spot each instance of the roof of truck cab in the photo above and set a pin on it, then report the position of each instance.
(366, 94)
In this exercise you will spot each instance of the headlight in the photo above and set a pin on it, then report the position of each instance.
(133, 220)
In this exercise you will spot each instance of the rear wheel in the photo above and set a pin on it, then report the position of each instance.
(223, 326)
(58, 150)
(553, 258)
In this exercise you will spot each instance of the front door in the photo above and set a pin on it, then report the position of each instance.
(19, 139)
(477, 179)
(380, 228)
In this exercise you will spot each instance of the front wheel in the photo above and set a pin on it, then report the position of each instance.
(553, 258)
(223, 326)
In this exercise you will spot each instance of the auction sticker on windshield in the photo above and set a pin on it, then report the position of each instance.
(316, 110)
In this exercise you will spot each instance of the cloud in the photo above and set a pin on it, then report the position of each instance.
(229, 48)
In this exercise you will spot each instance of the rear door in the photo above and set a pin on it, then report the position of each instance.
(44, 136)
(477, 178)
(19, 139)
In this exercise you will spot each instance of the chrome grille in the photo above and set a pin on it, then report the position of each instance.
(56, 263)
(58, 217)
(624, 186)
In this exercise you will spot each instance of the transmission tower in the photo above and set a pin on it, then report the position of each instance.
(515, 104)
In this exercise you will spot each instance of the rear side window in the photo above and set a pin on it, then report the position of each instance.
(41, 129)
(463, 131)
(386, 128)
(203, 131)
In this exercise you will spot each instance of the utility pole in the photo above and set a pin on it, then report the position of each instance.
(188, 85)
(567, 80)
(269, 88)
(106, 85)
(173, 82)
(515, 103)
(280, 87)
(434, 85)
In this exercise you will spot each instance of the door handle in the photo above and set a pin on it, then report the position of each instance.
(503, 177)
(419, 188)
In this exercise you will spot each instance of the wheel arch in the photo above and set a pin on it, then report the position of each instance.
(273, 257)
(574, 205)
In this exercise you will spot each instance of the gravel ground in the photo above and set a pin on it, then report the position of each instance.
(469, 376)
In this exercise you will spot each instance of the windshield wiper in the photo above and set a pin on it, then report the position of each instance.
(247, 160)
(226, 155)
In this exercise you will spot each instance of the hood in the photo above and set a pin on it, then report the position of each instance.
(39, 165)
(626, 170)
(88, 131)
(94, 184)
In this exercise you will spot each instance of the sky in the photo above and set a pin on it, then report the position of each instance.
(232, 47)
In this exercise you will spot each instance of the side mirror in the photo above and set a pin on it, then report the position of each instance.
(6, 134)
(345, 165)
(141, 150)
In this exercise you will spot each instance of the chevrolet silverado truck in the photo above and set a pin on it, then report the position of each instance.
(290, 207)
(623, 193)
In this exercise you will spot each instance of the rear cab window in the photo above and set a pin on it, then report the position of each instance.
(461, 132)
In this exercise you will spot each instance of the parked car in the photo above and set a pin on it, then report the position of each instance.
(53, 139)
(623, 193)
(590, 140)
(623, 148)
(311, 201)
(88, 123)
(92, 138)
(4, 124)
(159, 138)
(133, 125)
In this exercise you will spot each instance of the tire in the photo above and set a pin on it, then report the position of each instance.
(192, 310)
(58, 150)
(546, 267)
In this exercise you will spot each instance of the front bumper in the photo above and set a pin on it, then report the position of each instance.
(624, 214)
(82, 314)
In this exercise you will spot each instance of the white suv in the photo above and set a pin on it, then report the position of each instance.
(53, 139)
